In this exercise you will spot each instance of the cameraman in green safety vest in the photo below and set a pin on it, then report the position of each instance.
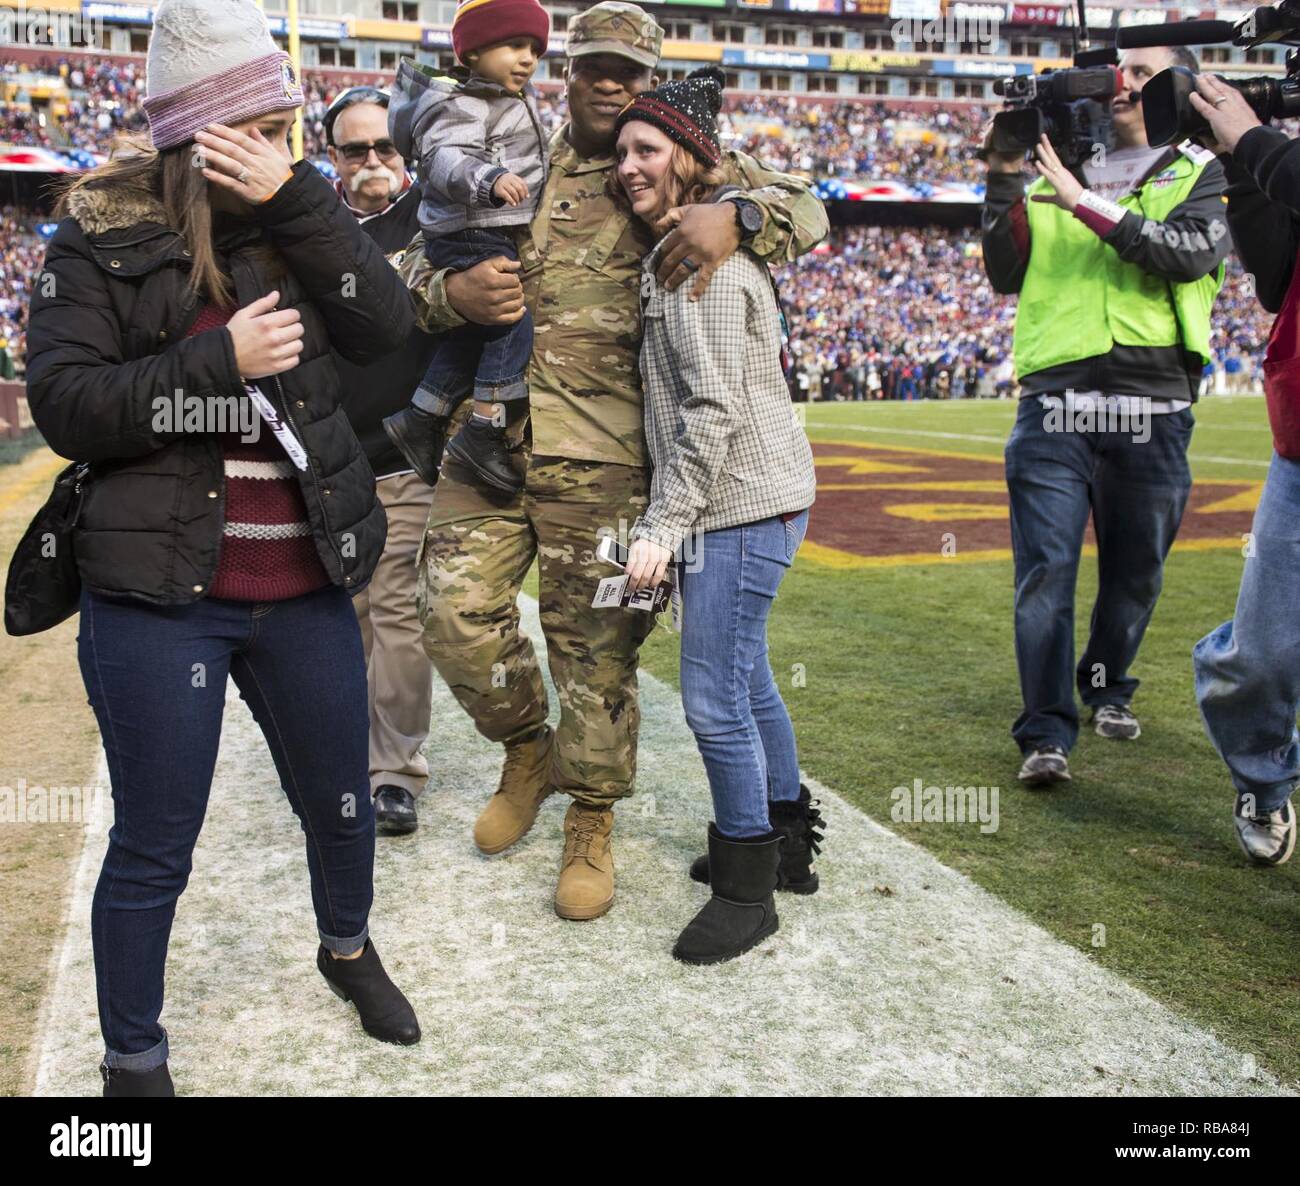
(1117, 262)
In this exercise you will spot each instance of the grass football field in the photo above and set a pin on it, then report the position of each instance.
(903, 669)
(1105, 939)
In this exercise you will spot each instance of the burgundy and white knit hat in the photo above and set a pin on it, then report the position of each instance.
(685, 110)
(479, 23)
(213, 61)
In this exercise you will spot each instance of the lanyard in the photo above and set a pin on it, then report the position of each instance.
(292, 446)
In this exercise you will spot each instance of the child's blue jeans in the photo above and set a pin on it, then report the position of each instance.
(488, 361)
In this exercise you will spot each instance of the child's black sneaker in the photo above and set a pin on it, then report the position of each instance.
(481, 448)
(419, 436)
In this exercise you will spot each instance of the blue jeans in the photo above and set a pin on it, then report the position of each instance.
(156, 678)
(1248, 670)
(731, 700)
(488, 361)
(1135, 492)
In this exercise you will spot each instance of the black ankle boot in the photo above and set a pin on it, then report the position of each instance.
(481, 448)
(742, 911)
(119, 1084)
(419, 436)
(385, 1013)
(797, 820)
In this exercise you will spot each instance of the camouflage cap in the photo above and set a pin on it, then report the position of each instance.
(614, 27)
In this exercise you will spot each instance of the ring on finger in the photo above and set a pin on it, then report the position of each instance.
(690, 265)
(242, 176)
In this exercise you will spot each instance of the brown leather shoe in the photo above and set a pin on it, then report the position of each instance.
(586, 888)
(525, 783)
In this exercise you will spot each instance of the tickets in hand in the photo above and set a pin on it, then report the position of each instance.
(615, 592)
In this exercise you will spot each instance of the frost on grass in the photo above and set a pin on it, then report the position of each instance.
(934, 988)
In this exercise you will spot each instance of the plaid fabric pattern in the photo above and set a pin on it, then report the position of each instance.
(721, 430)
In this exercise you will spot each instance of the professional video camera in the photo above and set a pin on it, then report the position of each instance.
(1166, 110)
(1071, 106)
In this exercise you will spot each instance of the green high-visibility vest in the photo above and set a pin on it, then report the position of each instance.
(1079, 299)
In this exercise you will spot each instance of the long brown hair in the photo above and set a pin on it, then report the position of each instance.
(689, 180)
(178, 185)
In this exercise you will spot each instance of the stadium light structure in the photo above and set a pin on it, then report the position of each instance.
(295, 55)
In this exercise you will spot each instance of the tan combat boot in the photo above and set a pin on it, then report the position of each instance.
(525, 783)
(586, 888)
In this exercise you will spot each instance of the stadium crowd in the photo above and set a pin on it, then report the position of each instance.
(898, 313)
(877, 313)
(856, 139)
(21, 252)
(847, 139)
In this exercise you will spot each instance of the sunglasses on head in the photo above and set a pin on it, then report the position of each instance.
(359, 151)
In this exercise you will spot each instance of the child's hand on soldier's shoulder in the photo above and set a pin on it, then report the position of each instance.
(510, 188)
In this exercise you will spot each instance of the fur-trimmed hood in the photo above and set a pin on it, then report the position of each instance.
(98, 209)
(108, 338)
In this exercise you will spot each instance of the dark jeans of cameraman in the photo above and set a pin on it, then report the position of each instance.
(1135, 491)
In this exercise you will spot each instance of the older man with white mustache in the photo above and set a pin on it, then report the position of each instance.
(374, 184)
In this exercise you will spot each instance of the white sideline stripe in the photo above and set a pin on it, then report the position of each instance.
(75, 916)
(970, 436)
(937, 987)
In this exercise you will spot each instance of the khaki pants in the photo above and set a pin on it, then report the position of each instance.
(477, 553)
(398, 673)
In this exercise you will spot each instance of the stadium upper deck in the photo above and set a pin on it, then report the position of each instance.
(895, 49)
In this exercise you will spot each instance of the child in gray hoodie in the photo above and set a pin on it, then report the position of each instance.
(483, 159)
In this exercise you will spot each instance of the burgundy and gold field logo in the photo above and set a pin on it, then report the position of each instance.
(886, 505)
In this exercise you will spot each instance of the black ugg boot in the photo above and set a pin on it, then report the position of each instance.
(797, 820)
(119, 1084)
(385, 1013)
(742, 911)
(419, 436)
(482, 448)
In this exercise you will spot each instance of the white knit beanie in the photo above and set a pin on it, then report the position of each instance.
(213, 61)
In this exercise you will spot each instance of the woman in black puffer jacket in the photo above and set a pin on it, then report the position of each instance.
(214, 541)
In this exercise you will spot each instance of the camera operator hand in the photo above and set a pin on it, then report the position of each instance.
(1225, 109)
(1066, 185)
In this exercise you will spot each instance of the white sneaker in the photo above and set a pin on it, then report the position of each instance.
(1117, 722)
(1269, 838)
(1045, 766)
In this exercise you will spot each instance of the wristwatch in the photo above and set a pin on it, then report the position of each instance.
(749, 218)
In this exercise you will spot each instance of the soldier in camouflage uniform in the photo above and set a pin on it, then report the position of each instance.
(585, 465)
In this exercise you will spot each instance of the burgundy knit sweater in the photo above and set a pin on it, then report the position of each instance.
(267, 549)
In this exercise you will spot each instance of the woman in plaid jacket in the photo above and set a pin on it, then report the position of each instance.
(733, 480)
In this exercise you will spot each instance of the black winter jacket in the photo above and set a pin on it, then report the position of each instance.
(1264, 209)
(106, 344)
(370, 393)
